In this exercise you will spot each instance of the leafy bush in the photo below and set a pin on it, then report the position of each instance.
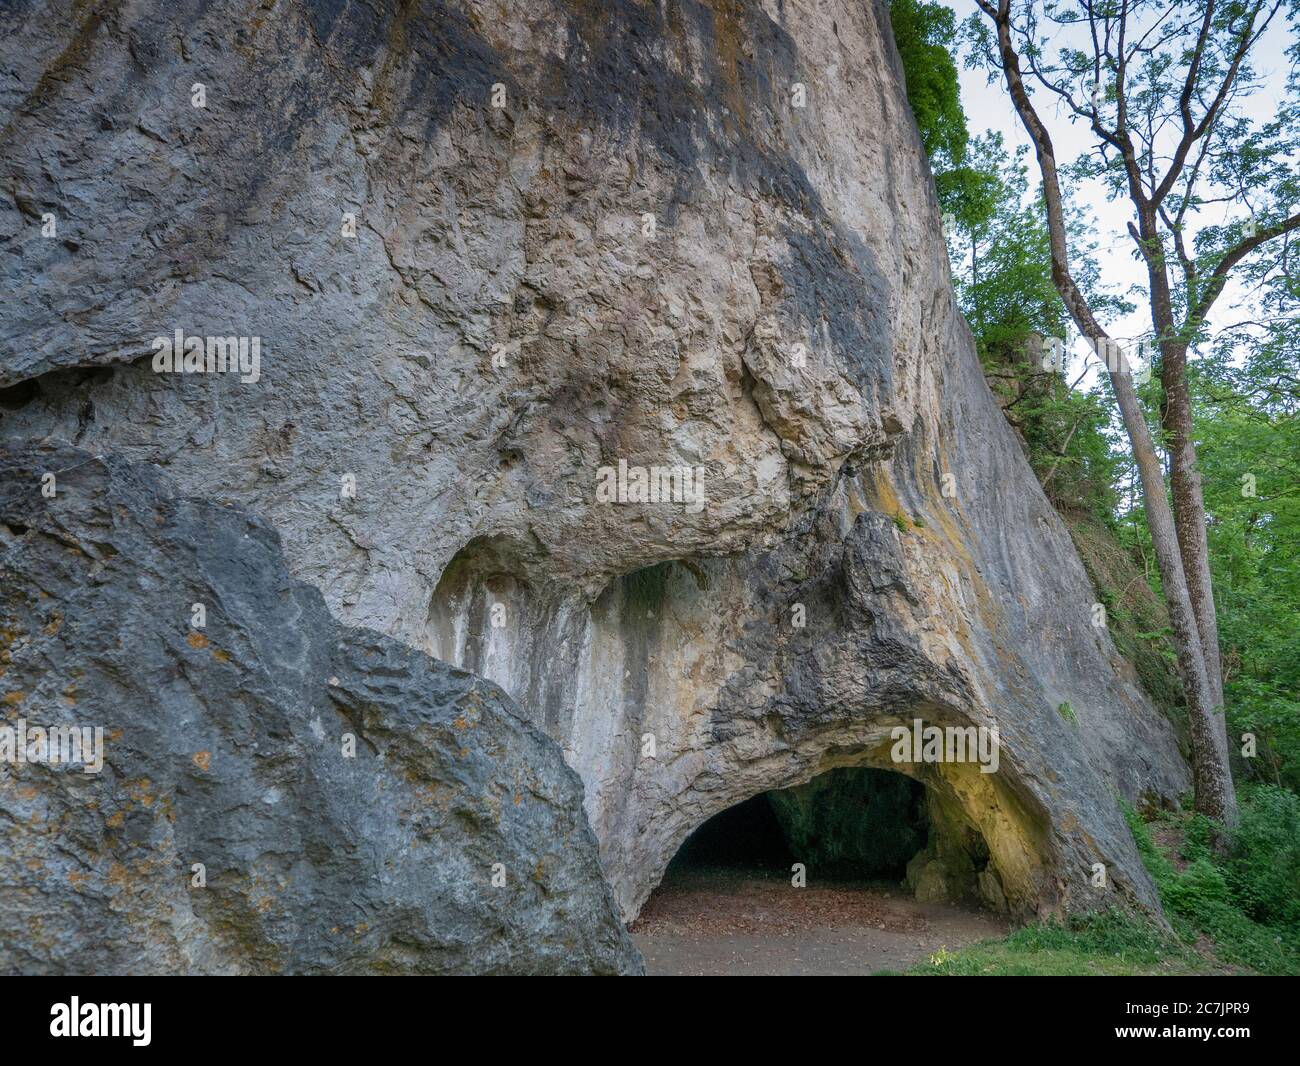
(1201, 883)
(1245, 903)
(1263, 867)
(1260, 707)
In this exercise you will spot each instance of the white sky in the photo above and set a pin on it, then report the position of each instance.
(989, 107)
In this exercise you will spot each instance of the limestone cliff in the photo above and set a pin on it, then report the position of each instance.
(489, 252)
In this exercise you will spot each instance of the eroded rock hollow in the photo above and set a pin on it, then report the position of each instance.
(501, 259)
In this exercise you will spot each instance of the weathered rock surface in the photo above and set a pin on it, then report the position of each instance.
(225, 746)
(649, 254)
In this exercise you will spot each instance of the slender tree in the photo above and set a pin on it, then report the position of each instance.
(1162, 88)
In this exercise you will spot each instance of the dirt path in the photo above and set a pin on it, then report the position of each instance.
(725, 921)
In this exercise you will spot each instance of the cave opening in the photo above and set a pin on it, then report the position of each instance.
(859, 870)
(851, 823)
(746, 836)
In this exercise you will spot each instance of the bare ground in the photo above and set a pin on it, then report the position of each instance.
(712, 921)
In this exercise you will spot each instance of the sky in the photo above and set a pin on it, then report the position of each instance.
(989, 107)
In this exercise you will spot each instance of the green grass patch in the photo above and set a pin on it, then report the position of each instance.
(1102, 944)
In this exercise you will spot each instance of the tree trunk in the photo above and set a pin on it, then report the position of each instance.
(1189, 509)
(1211, 775)
(1184, 478)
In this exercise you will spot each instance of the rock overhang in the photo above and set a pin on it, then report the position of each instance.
(516, 235)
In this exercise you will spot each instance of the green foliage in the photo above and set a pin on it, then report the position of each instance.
(1201, 882)
(1002, 270)
(1242, 908)
(1261, 707)
(1111, 933)
(1245, 381)
(1233, 911)
(1240, 941)
(1159, 867)
(1002, 260)
(1133, 111)
(1263, 865)
(1245, 385)
(1002, 276)
(1239, 180)
(1247, 397)
(925, 34)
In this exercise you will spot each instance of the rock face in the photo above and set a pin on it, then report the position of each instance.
(225, 746)
(694, 237)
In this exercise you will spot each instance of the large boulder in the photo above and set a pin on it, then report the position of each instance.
(275, 792)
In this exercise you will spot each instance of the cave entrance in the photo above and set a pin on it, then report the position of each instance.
(852, 823)
(744, 837)
(860, 870)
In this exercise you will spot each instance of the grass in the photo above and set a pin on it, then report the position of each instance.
(1104, 944)
(1212, 902)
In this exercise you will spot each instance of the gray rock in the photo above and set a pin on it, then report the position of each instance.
(224, 745)
(506, 321)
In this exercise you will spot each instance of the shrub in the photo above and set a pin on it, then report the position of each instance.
(1263, 866)
(1200, 884)
(1247, 902)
